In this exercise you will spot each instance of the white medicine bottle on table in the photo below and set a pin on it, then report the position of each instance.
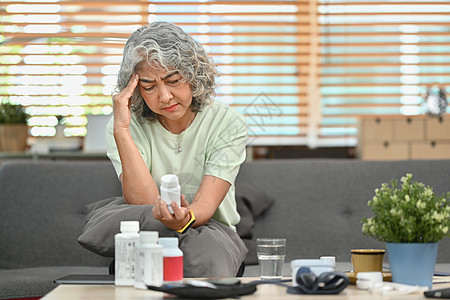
(149, 261)
(124, 255)
(173, 260)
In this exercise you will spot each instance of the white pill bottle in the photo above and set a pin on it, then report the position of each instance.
(124, 255)
(170, 190)
(149, 261)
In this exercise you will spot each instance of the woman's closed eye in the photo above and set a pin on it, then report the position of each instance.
(149, 88)
(173, 81)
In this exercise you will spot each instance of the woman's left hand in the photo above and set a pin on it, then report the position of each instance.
(174, 221)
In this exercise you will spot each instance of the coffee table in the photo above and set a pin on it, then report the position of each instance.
(265, 291)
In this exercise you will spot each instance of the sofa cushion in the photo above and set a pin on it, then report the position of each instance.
(210, 250)
(102, 221)
(251, 204)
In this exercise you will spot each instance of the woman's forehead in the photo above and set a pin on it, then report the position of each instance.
(145, 69)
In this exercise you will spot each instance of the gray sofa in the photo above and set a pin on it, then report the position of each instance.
(318, 205)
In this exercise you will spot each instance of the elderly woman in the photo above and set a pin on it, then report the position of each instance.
(165, 121)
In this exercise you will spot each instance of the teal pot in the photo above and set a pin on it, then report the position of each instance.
(412, 263)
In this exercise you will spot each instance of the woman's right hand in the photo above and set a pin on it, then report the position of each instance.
(174, 221)
(122, 104)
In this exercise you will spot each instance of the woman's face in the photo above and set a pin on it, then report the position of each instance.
(165, 92)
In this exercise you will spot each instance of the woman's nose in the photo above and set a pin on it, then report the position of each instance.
(165, 94)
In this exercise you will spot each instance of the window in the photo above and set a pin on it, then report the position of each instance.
(301, 71)
(61, 57)
(378, 58)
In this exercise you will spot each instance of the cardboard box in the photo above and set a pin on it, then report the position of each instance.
(375, 129)
(384, 151)
(438, 129)
(409, 129)
(430, 150)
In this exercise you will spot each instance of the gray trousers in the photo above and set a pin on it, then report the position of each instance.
(210, 250)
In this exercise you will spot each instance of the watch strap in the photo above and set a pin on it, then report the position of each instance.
(188, 224)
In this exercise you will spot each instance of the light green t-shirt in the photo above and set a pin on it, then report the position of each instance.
(214, 144)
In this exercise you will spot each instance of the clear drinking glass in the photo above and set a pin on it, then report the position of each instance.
(271, 253)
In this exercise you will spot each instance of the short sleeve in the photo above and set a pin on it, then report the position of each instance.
(139, 138)
(112, 152)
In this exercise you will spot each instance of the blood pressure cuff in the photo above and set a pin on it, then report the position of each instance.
(326, 283)
(204, 290)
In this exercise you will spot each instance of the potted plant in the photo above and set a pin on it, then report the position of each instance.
(13, 127)
(411, 219)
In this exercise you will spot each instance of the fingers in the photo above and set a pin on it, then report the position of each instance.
(184, 203)
(161, 212)
(165, 213)
(179, 212)
(122, 103)
(127, 92)
(132, 84)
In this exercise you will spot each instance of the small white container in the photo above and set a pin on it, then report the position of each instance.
(332, 258)
(170, 190)
(125, 247)
(366, 279)
(318, 266)
(149, 261)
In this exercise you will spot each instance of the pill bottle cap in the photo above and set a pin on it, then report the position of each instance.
(169, 180)
(148, 237)
(129, 226)
(169, 242)
(332, 258)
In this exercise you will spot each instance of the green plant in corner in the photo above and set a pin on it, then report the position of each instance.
(13, 114)
(408, 213)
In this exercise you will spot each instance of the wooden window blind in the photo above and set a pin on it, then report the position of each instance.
(378, 58)
(301, 71)
(59, 58)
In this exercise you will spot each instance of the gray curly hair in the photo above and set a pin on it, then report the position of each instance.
(166, 45)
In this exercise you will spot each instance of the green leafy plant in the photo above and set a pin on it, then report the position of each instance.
(410, 213)
(13, 114)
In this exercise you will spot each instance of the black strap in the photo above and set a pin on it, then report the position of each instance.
(309, 283)
(196, 292)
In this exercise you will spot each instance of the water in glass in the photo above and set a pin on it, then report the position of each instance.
(271, 259)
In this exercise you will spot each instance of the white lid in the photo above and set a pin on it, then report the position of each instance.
(169, 242)
(372, 276)
(332, 258)
(365, 280)
(148, 237)
(169, 180)
(129, 226)
(297, 263)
